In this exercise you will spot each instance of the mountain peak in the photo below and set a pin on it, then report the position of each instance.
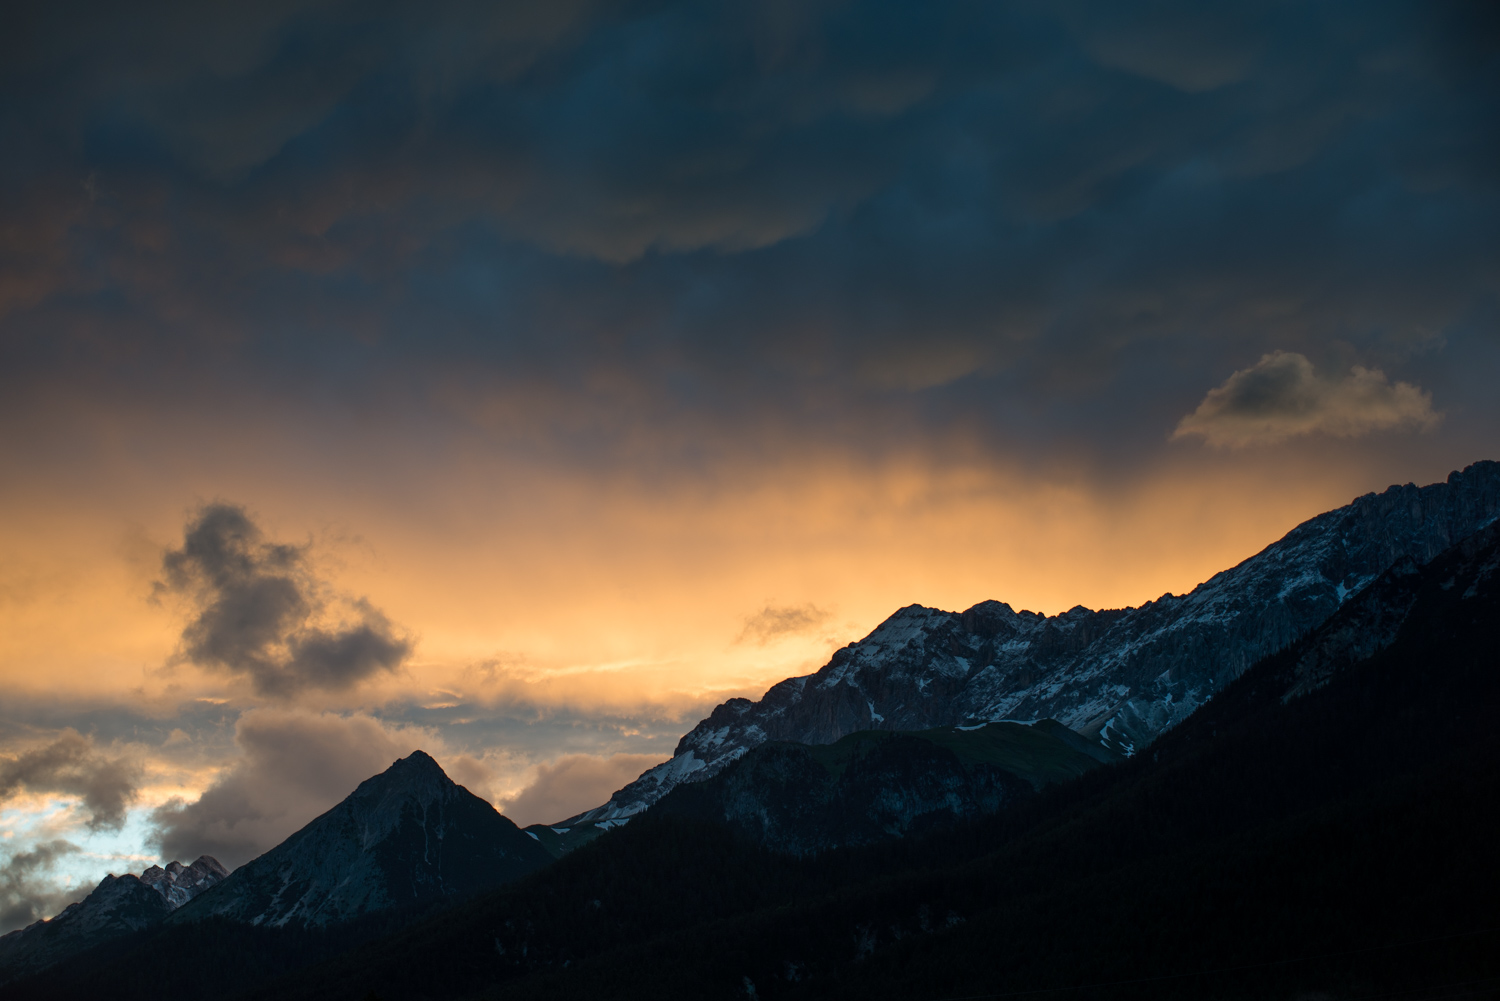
(417, 758)
(417, 776)
(406, 835)
(119, 904)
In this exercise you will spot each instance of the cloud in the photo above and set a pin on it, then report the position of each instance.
(697, 221)
(74, 766)
(293, 766)
(1281, 397)
(776, 621)
(23, 897)
(262, 612)
(572, 784)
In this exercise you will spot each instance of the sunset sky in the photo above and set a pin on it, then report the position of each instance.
(520, 380)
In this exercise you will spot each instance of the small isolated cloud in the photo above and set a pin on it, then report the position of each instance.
(294, 766)
(74, 766)
(263, 614)
(574, 783)
(1281, 397)
(25, 894)
(775, 621)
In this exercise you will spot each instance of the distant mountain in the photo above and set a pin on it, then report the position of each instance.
(877, 784)
(117, 906)
(1121, 676)
(407, 836)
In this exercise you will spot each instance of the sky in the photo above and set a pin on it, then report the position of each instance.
(519, 380)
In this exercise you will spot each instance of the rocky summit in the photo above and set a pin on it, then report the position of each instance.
(1119, 676)
(406, 836)
(117, 906)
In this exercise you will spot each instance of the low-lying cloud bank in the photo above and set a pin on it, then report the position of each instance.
(1281, 397)
(74, 766)
(572, 784)
(26, 893)
(294, 766)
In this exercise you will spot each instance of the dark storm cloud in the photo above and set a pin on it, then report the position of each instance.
(872, 219)
(26, 895)
(74, 766)
(261, 611)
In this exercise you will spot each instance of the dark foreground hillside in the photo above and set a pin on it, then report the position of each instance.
(1337, 845)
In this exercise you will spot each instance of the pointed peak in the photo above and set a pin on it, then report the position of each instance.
(418, 761)
(416, 775)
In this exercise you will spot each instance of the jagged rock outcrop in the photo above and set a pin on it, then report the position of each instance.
(178, 883)
(406, 836)
(1121, 676)
(117, 906)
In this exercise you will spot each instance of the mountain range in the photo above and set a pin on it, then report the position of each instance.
(1321, 828)
(961, 803)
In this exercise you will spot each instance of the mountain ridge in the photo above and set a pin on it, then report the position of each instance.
(1333, 802)
(1332, 845)
(1120, 675)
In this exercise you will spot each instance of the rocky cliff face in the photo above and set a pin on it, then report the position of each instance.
(117, 906)
(406, 836)
(1120, 676)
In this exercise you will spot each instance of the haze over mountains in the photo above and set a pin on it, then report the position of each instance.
(902, 739)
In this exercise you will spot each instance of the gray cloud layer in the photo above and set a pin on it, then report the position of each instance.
(865, 222)
(259, 608)
(73, 765)
(1281, 396)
